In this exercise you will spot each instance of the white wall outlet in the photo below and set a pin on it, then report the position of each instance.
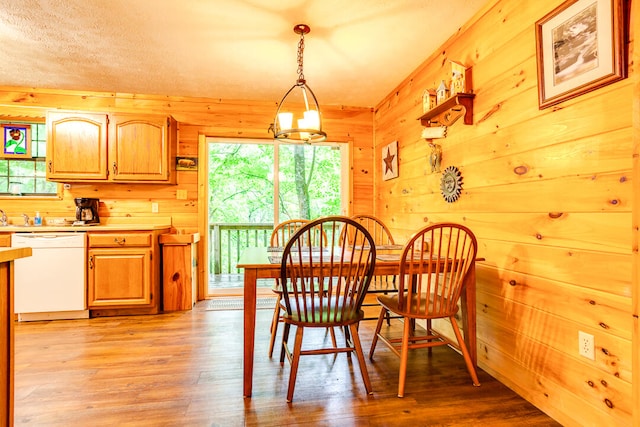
(586, 346)
(154, 207)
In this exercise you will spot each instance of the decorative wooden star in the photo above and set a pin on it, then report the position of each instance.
(388, 161)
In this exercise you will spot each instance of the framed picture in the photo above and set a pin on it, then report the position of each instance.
(16, 140)
(187, 163)
(390, 161)
(580, 48)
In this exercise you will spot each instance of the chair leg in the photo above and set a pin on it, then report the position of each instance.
(404, 356)
(357, 345)
(274, 324)
(430, 349)
(295, 362)
(285, 339)
(465, 353)
(377, 331)
(332, 333)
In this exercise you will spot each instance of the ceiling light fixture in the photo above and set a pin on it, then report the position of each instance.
(291, 122)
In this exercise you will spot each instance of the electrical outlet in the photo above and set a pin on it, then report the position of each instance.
(154, 207)
(586, 346)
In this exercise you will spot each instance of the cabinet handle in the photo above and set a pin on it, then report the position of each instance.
(115, 168)
(120, 241)
(91, 262)
(50, 165)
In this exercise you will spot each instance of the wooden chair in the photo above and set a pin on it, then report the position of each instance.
(344, 275)
(378, 230)
(428, 291)
(381, 236)
(280, 235)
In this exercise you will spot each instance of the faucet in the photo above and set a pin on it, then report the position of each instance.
(26, 219)
(3, 218)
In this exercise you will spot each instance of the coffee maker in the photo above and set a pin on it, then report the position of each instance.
(86, 211)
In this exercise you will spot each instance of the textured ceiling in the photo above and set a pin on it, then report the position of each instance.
(356, 53)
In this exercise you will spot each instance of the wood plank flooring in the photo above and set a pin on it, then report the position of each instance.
(185, 369)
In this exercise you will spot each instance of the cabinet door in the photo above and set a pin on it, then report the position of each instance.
(119, 277)
(141, 148)
(76, 146)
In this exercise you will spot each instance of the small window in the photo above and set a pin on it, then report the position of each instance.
(26, 175)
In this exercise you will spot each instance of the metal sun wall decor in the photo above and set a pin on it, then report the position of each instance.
(451, 184)
(390, 161)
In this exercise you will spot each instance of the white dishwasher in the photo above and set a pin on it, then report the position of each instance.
(51, 283)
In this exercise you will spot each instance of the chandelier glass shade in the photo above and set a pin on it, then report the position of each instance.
(298, 117)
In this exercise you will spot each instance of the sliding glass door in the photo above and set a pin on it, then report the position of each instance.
(253, 184)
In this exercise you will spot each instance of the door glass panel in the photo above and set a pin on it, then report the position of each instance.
(240, 183)
(309, 184)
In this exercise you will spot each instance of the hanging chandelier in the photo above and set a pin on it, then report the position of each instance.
(298, 116)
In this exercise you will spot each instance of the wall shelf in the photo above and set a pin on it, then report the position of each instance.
(454, 107)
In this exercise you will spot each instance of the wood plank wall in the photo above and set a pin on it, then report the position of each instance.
(635, 113)
(549, 195)
(196, 117)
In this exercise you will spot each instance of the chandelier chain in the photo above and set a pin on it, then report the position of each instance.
(300, 54)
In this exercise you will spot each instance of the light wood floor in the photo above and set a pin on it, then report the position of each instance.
(185, 369)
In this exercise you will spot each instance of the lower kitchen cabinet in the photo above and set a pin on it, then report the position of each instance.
(123, 273)
(119, 277)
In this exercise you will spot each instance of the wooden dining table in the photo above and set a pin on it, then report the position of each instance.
(263, 263)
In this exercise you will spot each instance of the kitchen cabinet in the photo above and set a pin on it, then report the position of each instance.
(76, 146)
(100, 147)
(123, 273)
(179, 271)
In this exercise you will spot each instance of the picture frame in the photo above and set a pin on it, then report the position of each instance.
(579, 48)
(16, 140)
(186, 163)
(390, 161)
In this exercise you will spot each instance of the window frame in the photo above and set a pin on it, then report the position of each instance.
(8, 195)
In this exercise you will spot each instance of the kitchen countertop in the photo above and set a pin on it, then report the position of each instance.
(10, 254)
(75, 228)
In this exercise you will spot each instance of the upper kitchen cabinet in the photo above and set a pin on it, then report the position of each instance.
(84, 147)
(142, 148)
(76, 146)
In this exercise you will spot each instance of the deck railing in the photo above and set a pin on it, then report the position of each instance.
(227, 241)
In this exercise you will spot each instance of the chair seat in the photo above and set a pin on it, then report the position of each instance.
(323, 313)
(392, 303)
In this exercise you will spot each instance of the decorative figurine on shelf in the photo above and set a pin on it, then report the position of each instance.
(435, 157)
(458, 78)
(442, 93)
(428, 100)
